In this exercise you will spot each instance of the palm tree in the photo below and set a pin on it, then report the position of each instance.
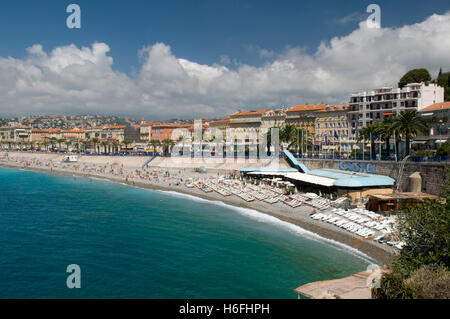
(385, 130)
(59, 141)
(293, 136)
(368, 133)
(154, 144)
(167, 144)
(45, 144)
(95, 142)
(67, 143)
(77, 144)
(52, 142)
(86, 144)
(126, 143)
(115, 145)
(408, 124)
(104, 144)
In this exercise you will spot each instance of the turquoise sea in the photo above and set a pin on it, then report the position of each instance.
(136, 243)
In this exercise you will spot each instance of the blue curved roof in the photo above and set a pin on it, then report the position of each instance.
(268, 170)
(350, 179)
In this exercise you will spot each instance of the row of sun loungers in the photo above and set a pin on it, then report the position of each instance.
(345, 224)
(292, 202)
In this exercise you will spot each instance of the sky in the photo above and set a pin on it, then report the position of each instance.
(208, 58)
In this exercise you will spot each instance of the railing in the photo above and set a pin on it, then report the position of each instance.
(419, 159)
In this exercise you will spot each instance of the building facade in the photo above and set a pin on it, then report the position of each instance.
(15, 134)
(332, 129)
(273, 118)
(437, 118)
(369, 107)
(304, 117)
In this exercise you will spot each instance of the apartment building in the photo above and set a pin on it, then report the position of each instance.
(437, 118)
(15, 134)
(369, 107)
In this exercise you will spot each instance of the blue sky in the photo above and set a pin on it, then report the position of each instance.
(200, 30)
(209, 58)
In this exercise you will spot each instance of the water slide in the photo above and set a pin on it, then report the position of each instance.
(294, 163)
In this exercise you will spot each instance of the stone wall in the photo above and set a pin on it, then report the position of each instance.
(432, 173)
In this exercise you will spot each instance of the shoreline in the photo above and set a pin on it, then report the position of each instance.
(373, 250)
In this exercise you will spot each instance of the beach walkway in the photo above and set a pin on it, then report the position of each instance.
(356, 286)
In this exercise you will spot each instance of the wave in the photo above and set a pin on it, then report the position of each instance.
(269, 219)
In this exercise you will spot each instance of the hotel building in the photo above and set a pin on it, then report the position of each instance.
(74, 134)
(245, 125)
(304, 117)
(164, 131)
(221, 125)
(118, 133)
(42, 135)
(273, 118)
(332, 128)
(145, 130)
(369, 107)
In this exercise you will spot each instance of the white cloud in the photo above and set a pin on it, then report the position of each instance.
(352, 17)
(82, 80)
(264, 53)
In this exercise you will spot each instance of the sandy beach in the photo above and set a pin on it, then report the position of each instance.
(129, 170)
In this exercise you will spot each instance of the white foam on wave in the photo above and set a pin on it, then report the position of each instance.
(265, 218)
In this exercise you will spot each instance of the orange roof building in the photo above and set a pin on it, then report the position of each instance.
(437, 118)
(244, 120)
(437, 107)
(304, 116)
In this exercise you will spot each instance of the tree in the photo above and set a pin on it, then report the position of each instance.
(95, 142)
(408, 124)
(292, 136)
(444, 149)
(415, 76)
(369, 133)
(68, 143)
(126, 143)
(104, 144)
(115, 145)
(86, 144)
(385, 130)
(443, 79)
(167, 144)
(422, 265)
(154, 144)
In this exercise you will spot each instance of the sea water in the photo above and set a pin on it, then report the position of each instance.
(138, 243)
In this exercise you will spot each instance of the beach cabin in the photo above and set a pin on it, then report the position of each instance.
(70, 159)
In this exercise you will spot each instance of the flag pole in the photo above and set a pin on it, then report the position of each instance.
(364, 147)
